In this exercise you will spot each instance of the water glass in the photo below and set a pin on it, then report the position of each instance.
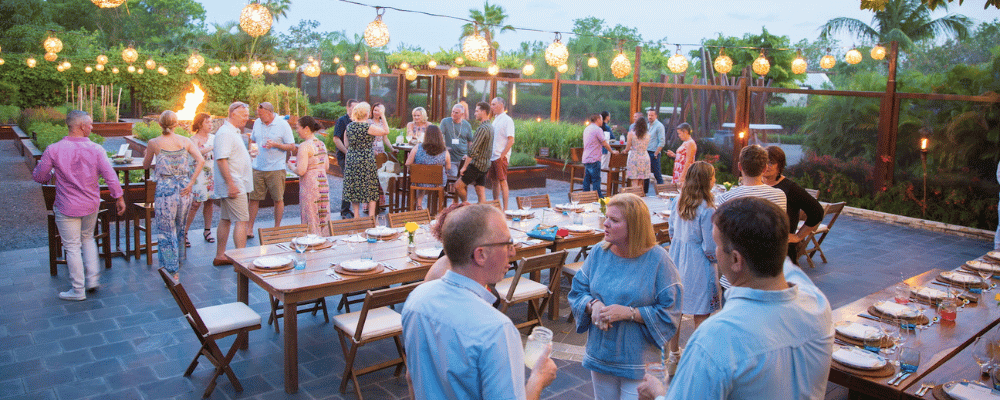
(300, 262)
(948, 309)
(538, 341)
(909, 359)
(369, 253)
(380, 221)
(902, 293)
(982, 349)
(578, 218)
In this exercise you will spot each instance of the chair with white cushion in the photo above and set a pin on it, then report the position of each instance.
(376, 321)
(212, 323)
(518, 289)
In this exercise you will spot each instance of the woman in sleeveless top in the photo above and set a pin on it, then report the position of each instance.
(416, 129)
(685, 154)
(310, 165)
(174, 182)
(204, 188)
(431, 152)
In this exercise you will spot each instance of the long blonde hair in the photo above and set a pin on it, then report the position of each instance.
(640, 228)
(696, 190)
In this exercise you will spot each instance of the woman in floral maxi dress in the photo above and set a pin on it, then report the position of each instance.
(310, 165)
(637, 167)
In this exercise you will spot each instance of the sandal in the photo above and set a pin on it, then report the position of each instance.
(187, 243)
(208, 236)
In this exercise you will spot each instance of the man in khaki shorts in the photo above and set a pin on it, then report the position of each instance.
(274, 140)
(232, 181)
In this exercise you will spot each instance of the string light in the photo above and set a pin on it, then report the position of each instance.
(799, 64)
(459, 60)
(88, 69)
(131, 69)
(52, 44)
(66, 64)
(357, 57)
(50, 56)
(311, 69)
(678, 63)
(853, 56)
(102, 59)
(761, 66)
(453, 72)
(620, 65)
(827, 61)
(528, 69)
(291, 64)
(341, 70)
(99, 67)
(475, 46)
(114, 70)
(195, 60)
(432, 64)
(234, 70)
(107, 3)
(150, 63)
(243, 68)
(878, 52)
(723, 63)
(493, 69)
(377, 33)
(162, 70)
(138, 71)
(129, 54)
(255, 19)
(562, 68)
(336, 60)
(592, 62)
(376, 69)
(362, 71)
(556, 54)
(256, 68)
(410, 74)
(404, 65)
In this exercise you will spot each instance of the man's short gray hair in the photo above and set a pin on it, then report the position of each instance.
(501, 101)
(73, 117)
(237, 105)
(459, 105)
(465, 229)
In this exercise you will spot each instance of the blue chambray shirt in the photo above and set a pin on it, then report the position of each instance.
(657, 135)
(272, 159)
(458, 346)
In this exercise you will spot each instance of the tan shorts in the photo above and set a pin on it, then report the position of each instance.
(498, 170)
(265, 182)
(235, 210)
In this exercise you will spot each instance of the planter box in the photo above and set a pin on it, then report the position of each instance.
(137, 146)
(30, 153)
(526, 177)
(557, 169)
(113, 129)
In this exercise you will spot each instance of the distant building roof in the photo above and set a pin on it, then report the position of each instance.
(817, 80)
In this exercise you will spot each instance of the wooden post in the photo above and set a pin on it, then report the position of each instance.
(635, 102)
(403, 88)
(888, 125)
(368, 88)
(741, 121)
(556, 98)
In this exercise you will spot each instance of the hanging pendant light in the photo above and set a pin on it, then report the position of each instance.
(432, 64)
(677, 63)
(291, 64)
(102, 59)
(562, 68)
(234, 70)
(853, 56)
(52, 44)
(453, 72)
(620, 65)
(31, 62)
(723, 63)
(195, 60)
(404, 65)
(459, 60)
(376, 69)
(878, 52)
(341, 70)
(99, 67)
(377, 33)
(150, 63)
(336, 60)
(592, 62)
(312, 69)
(255, 19)
(761, 66)
(256, 68)
(138, 71)
(410, 74)
(131, 69)
(475, 47)
(362, 71)
(528, 68)
(50, 56)
(114, 70)
(799, 64)
(493, 69)
(129, 54)
(557, 53)
(107, 3)
(827, 61)
(88, 69)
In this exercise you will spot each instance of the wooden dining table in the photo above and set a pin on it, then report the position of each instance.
(938, 344)
(297, 286)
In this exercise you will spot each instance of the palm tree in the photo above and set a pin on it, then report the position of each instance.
(278, 8)
(488, 20)
(905, 21)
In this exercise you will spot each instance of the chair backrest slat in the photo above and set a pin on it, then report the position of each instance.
(351, 225)
(184, 302)
(550, 261)
(382, 298)
(636, 190)
(669, 187)
(150, 191)
(618, 161)
(813, 192)
(833, 209)
(397, 220)
(584, 197)
(425, 173)
(281, 234)
(495, 203)
(537, 201)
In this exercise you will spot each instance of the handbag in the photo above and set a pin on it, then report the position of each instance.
(544, 233)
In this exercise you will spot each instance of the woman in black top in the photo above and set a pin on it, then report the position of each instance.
(797, 200)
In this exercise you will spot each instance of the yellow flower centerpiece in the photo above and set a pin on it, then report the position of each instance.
(411, 230)
(604, 205)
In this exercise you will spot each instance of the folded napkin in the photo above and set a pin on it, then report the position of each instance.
(858, 331)
(928, 292)
(967, 391)
(958, 277)
(896, 310)
(531, 242)
(357, 238)
(855, 357)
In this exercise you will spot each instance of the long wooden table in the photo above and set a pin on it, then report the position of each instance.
(938, 344)
(313, 282)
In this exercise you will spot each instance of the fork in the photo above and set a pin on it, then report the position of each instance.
(924, 387)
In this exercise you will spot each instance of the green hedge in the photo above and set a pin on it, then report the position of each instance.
(791, 118)
(559, 137)
(146, 131)
(329, 110)
(46, 133)
(9, 114)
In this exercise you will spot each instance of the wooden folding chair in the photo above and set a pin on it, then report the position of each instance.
(822, 230)
(576, 163)
(376, 321)
(518, 289)
(397, 220)
(102, 231)
(636, 190)
(616, 173)
(144, 212)
(281, 234)
(584, 197)
(210, 324)
(494, 203)
(668, 187)
(537, 201)
(351, 225)
(427, 174)
(814, 193)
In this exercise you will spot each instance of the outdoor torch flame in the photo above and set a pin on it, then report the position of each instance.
(923, 144)
(191, 102)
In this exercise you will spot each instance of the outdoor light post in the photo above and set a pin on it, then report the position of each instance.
(923, 162)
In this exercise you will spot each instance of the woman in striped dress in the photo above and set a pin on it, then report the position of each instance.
(311, 163)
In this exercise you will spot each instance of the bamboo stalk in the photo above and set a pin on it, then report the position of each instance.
(118, 108)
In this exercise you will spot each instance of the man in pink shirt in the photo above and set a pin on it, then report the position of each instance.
(593, 140)
(76, 163)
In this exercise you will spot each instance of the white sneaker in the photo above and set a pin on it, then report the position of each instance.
(72, 295)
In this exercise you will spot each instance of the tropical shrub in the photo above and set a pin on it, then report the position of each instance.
(45, 133)
(329, 110)
(518, 159)
(146, 131)
(9, 114)
(559, 137)
(286, 100)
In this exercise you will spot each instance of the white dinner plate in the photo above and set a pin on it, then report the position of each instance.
(856, 330)
(359, 265)
(428, 252)
(858, 358)
(271, 262)
(311, 240)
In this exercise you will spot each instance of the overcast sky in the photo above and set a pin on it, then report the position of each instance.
(686, 22)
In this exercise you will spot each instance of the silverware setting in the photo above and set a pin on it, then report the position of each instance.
(901, 379)
(284, 247)
(924, 387)
(269, 274)
(894, 378)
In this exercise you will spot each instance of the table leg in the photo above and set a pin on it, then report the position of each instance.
(243, 296)
(554, 297)
(291, 347)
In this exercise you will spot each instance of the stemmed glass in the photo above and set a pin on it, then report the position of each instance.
(982, 353)
(299, 246)
(892, 333)
(525, 203)
(380, 221)
(985, 274)
(574, 201)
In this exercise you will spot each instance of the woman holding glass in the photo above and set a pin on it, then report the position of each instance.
(415, 129)
(685, 154)
(204, 187)
(628, 321)
(692, 248)
(378, 117)
(360, 179)
(310, 165)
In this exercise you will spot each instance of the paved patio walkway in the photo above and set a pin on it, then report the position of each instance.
(128, 341)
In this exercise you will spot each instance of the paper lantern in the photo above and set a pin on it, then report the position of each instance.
(376, 69)
(31, 62)
(878, 52)
(255, 20)
(131, 68)
(130, 55)
(377, 33)
(404, 65)
(799, 65)
(453, 72)
(493, 69)
(592, 62)
(677, 63)
(410, 74)
(256, 68)
(88, 69)
(150, 63)
(138, 71)
(52, 44)
(528, 69)
(723, 63)
(761, 66)
(50, 56)
(827, 61)
(432, 64)
(459, 60)
(362, 71)
(102, 59)
(336, 60)
(557, 53)
(562, 68)
(114, 70)
(853, 56)
(476, 48)
(621, 66)
(99, 67)
(107, 3)
(341, 70)
(195, 60)
(234, 70)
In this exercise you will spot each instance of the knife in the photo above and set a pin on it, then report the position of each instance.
(874, 318)
(901, 379)
(894, 377)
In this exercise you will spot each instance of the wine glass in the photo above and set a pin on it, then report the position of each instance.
(982, 353)
(299, 246)
(985, 274)
(574, 201)
(525, 203)
(892, 333)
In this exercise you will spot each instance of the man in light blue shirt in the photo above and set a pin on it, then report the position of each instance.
(657, 139)
(773, 338)
(273, 139)
(457, 345)
(457, 135)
